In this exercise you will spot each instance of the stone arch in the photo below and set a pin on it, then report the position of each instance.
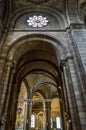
(12, 51)
(25, 41)
(48, 39)
(56, 48)
(21, 46)
(48, 84)
(52, 13)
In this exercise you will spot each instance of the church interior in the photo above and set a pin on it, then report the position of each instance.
(42, 64)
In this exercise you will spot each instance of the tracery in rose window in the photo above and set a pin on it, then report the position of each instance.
(37, 21)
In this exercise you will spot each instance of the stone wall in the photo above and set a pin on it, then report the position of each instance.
(74, 53)
(79, 37)
(3, 19)
(2, 8)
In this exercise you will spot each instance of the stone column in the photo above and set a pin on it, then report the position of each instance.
(70, 97)
(9, 87)
(8, 100)
(64, 83)
(48, 115)
(45, 124)
(11, 105)
(29, 110)
(54, 123)
(5, 80)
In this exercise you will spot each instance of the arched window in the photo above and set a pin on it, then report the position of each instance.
(32, 121)
(58, 123)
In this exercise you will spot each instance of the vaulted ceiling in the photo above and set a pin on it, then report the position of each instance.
(57, 10)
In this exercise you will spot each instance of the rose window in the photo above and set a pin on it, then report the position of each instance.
(37, 21)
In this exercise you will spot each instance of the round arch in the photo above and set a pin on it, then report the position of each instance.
(27, 40)
(56, 14)
(20, 49)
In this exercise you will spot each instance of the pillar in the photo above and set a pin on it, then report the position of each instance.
(70, 100)
(29, 109)
(4, 85)
(48, 115)
(9, 99)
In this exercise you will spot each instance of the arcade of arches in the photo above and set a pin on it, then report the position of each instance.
(42, 65)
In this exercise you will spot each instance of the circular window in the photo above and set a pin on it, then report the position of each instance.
(37, 21)
(38, 1)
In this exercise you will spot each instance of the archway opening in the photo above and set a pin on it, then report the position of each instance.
(37, 66)
(42, 110)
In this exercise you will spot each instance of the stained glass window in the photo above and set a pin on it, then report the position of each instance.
(37, 21)
(58, 123)
(32, 121)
